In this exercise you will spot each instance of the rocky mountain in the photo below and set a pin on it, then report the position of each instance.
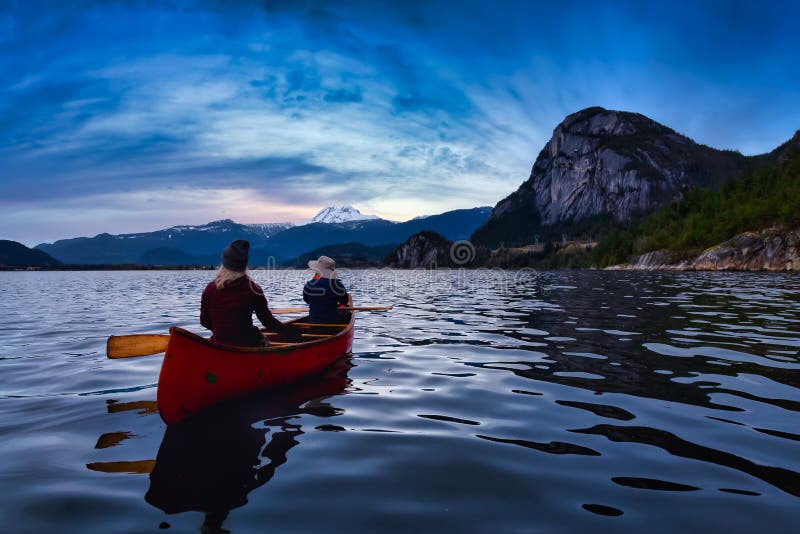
(13, 254)
(424, 250)
(339, 214)
(602, 167)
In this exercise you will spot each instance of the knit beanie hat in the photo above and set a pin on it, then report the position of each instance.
(235, 255)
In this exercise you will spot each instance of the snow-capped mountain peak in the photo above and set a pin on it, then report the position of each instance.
(338, 214)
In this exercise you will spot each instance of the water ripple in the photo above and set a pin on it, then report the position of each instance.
(481, 394)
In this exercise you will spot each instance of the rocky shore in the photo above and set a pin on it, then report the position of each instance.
(773, 249)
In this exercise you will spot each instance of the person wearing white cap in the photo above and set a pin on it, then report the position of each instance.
(324, 293)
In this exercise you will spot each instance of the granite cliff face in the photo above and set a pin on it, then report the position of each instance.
(603, 165)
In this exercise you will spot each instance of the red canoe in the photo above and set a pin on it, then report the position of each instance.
(197, 372)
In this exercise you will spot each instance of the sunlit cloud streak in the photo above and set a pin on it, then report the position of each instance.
(267, 111)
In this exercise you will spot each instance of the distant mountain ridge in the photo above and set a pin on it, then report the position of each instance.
(14, 254)
(196, 240)
(269, 229)
(347, 255)
(201, 244)
(175, 256)
(604, 166)
(454, 225)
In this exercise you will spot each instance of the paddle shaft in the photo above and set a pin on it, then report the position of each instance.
(349, 308)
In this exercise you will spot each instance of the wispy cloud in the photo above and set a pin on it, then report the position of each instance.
(269, 110)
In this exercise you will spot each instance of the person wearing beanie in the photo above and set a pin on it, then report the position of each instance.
(235, 255)
(325, 293)
(229, 301)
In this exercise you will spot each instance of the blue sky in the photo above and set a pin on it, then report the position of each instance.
(134, 116)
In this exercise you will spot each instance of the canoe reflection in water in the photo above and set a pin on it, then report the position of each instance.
(211, 461)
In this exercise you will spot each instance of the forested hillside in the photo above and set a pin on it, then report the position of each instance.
(765, 197)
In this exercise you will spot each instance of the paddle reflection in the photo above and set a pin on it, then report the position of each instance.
(212, 461)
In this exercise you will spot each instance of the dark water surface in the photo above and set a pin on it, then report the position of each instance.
(514, 402)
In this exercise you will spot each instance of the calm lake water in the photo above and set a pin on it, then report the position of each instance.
(485, 401)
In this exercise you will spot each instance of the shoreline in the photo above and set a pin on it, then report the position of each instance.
(628, 267)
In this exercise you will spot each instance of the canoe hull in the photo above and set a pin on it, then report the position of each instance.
(197, 373)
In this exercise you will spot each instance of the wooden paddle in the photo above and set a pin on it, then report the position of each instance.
(143, 407)
(136, 467)
(135, 345)
(351, 308)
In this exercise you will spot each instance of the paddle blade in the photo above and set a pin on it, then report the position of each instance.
(136, 345)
